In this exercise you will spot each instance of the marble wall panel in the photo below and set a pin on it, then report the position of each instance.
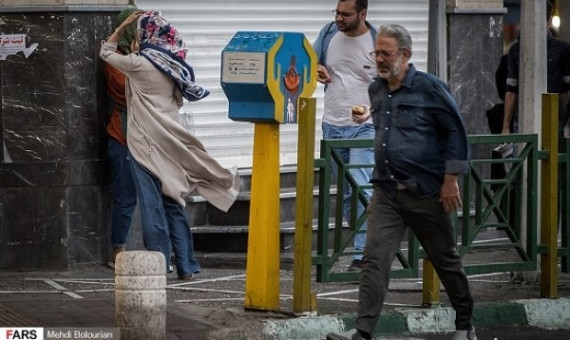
(36, 175)
(85, 91)
(54, 191)
(475, 48)
(32, 232)
(475, 45)
(33, 97)
(89, 233)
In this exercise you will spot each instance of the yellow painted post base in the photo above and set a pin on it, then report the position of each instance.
(262, 269)
(430, 292)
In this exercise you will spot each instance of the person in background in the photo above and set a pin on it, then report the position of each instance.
(122, 184)
(346, 68)
(557, 78)
(167, 161)
(557, 81)
(495, 115)
(420, 148)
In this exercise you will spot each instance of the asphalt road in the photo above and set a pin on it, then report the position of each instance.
(512, 333)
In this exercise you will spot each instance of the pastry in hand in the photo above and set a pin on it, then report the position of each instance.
(358, 110)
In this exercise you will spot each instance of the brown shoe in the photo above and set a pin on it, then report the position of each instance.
(188, 277)
(116, 251)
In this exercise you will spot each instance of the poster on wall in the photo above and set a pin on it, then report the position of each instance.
(11, 44)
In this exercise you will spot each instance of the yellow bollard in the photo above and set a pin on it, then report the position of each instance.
(262, 268)
(302, 298)
(549, 198)
(430, 291)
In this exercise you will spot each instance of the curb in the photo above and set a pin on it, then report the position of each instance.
(542, 313)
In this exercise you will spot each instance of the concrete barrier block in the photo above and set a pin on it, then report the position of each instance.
(548, 313)
(140, 295)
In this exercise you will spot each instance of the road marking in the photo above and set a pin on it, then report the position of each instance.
(338, 292)
(208, 300)
(208, 290)
(86, 282)
(63, 289)
(29, 292)
(223, 278)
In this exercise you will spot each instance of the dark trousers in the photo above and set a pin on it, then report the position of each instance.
(387, 221)
(124, 192)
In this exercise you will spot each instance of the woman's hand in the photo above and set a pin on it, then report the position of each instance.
(131, 18)
(119, 30)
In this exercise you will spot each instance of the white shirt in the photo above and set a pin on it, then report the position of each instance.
(351, 69)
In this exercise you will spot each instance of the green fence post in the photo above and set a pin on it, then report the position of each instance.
(565, 214)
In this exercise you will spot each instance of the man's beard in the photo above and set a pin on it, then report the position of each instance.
(344, 27)
(392, 71)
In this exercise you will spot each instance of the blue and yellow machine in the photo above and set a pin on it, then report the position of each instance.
(264, 73)
(268, 78)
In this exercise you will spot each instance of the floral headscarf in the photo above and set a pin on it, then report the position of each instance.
(164, 47)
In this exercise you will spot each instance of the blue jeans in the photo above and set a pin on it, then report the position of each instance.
(361, 176)
(164, 222)
(124, 192)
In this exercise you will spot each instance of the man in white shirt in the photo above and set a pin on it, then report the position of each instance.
(346, 67)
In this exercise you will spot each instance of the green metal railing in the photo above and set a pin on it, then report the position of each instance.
(489, 205)
(490, 200)
(328, 255)
(564, 175)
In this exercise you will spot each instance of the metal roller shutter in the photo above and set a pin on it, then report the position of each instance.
(208, 26)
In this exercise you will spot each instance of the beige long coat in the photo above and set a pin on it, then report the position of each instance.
(157, 140)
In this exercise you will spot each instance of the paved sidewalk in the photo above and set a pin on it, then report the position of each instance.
(211, 307)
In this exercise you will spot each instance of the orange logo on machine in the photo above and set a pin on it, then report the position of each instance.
(292, 77)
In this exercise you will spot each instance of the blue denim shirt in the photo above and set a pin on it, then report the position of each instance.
(420, 135)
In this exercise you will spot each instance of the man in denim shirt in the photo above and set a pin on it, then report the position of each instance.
(420, 148)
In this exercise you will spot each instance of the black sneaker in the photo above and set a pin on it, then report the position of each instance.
(355, 266)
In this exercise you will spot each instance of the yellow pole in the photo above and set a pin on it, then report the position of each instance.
(430, 291)
(303, 300)
(262, 269)
(549, 198)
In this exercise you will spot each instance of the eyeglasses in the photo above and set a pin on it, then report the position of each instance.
(384, 54)
(342, 15)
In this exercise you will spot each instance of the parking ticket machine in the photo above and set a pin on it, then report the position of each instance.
(267, 77)
(264, 73)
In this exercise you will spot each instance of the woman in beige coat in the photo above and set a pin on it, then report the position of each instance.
(168, 162)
